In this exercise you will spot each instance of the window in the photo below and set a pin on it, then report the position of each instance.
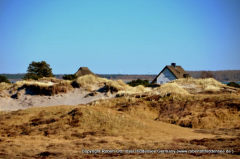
(161, 82)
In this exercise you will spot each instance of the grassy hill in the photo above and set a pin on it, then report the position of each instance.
(186, 114)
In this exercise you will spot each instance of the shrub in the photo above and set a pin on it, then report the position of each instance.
(137, 82)
(233, 84)
(4, 79)
(69, 77)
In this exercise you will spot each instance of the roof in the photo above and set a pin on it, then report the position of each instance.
(83, 71)
(177, 71)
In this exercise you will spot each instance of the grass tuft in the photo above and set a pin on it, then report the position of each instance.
(169, 88)
(4, 85)
(90, 79)
(200, 82)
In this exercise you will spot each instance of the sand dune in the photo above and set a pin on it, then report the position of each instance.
(61, 118)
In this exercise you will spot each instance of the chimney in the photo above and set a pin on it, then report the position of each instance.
(173, 64)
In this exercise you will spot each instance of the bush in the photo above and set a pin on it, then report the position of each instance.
(233, 84)
(38, 70)
(4, 79)
(137, 82)
(70, 77)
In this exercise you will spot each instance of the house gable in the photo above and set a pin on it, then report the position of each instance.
(165, 76)
(169, 73)
(83, 71)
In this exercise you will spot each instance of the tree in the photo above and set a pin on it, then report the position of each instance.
(4, 79)
(206, 74)
(38, 70)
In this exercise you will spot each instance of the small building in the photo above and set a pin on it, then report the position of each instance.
(83, 71)
(170, 73)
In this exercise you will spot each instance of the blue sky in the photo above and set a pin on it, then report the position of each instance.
(108, 36)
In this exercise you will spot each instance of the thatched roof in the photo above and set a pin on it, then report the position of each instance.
(83, 71)
(177, 71)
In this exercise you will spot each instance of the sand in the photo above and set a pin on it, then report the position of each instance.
(75, 97)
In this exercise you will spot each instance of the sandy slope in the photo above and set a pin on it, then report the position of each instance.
(74, 97)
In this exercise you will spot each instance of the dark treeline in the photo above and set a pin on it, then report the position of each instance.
(14, 76)
(227, 75)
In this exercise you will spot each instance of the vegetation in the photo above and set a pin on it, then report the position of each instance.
(4, 85)
(203, 83)
(13, 76)
(233, 84)
(89, 80)
(69, 76)
(152, 120)
(38, 70)
(170, 88)
(4, 79)
(60, 131)
(226, 75)
(206, 74)
(137, 82)
(43, 88)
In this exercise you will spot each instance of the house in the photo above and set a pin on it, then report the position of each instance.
(170, 73)
(83, 71)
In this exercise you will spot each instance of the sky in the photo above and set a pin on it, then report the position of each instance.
(119, 36)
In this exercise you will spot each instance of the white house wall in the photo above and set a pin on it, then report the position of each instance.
(165, 76)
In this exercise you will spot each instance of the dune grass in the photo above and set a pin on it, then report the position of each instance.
(63, 131)
(4, 85)
(117, 86)
(170, 88)
(200, 82)
(89, 80)
(34, 83)
(212, 88)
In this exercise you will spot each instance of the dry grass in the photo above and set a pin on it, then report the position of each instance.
(203, 83)
(119, 123)
(90, 80)
(36, 83)
(118, 85)
(201, 111)
(49, 79)
(4, 86)
(41, 87)
(129, 91)
(65, 82)
(211, 88)
(170, 88)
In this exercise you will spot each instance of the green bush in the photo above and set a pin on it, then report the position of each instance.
(233, 84)
(137, 82)
(69, 77)
(4, 79)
